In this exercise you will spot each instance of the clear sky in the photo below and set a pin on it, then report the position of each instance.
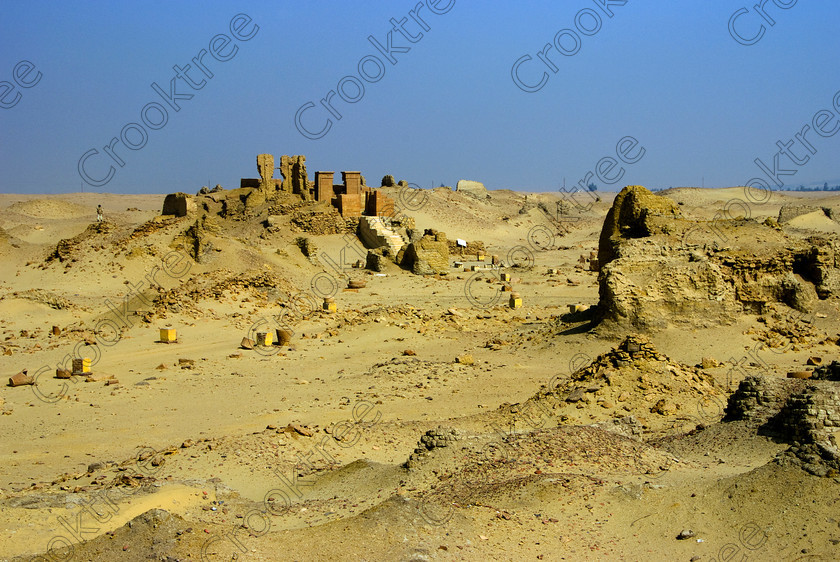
(675, 76)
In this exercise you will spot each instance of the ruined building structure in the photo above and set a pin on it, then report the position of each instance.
(351, 197)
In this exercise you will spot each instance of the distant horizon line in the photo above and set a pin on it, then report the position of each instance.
(809, 188)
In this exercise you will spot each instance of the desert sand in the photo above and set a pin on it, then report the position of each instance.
(426, 418)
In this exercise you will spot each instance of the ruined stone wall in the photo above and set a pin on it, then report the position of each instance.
(427, 256)
(293, 170)
(657, 268)
(813, 414)
(758, 398)
(804, 413)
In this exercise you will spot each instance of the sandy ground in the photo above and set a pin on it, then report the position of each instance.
(297, 453)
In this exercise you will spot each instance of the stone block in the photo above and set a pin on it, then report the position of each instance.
(81, 366)
(168, 335)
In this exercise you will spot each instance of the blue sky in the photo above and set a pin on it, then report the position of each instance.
(668, 74)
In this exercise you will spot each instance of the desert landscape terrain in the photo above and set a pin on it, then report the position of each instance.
(392, 373)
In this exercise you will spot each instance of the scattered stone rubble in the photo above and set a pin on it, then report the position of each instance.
(830, 372)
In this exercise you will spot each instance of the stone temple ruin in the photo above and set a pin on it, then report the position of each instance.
(352, 198)
(319, 207)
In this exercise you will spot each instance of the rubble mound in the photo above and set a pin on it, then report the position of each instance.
(786, 332)
(151, 226)
(42, 296)
(633, 378)
(196, 240)
(530, 463)
(218, 285)
(153, 535)
(67, 249)
(804, 413)
(658, 268)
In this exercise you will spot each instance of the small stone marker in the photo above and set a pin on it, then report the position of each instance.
(283, 336)
(480, 257)
(263, 339)
(81, 366)
(329, 305)
(168, 335)
(515, 300)
(504, 276)
(577, 308)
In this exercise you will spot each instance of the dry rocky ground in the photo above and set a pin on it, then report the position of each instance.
(425, 419)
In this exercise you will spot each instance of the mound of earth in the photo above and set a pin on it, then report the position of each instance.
(633, 378)
(50, 209)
